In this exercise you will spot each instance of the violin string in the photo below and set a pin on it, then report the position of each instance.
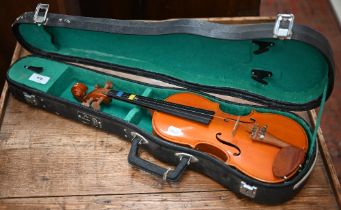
(167, 103)
(175, 106)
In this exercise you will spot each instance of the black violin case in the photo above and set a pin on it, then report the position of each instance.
(278, 67)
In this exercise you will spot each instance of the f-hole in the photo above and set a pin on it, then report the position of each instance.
(228, 144)
(212, 150)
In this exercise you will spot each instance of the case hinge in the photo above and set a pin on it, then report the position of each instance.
(283, 26)
(30, 99)
(40, 14)
(248, 190)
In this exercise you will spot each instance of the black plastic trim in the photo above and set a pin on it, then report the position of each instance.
(166, 174)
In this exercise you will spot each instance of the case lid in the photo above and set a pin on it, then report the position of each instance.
(243, 61)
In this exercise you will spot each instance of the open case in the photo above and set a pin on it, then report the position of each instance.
(277, 68)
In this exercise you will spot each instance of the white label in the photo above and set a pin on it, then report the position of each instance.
(39, 78)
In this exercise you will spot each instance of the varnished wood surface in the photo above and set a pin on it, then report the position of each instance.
(46, 162)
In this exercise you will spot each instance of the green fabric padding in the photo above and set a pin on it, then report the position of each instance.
(22, 74)
(299, 70)
(64, 76)
(318, 120)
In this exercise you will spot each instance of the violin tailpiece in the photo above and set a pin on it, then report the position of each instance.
(260, 134)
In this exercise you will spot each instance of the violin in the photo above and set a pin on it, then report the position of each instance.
(265, 146)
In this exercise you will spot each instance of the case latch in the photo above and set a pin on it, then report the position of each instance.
(283, 26)
(40, 15)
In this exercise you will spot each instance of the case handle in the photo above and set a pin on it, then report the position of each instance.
(166, 174)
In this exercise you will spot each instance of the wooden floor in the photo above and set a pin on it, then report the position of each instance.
(48, 162)
(319, 15)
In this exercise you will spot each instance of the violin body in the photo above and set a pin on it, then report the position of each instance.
(255, 159)
(265, 146)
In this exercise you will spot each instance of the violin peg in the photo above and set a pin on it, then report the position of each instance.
(287, 161)
(108, 85)
(96, 105)
(87, 102)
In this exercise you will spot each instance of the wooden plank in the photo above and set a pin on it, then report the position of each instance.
(4, 93)
(327, 159)
(190, 200)
(242, 20)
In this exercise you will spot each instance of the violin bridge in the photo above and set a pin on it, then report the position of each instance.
(235, 127)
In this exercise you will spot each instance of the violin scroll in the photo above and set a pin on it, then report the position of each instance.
(95, 98)
(78, 91)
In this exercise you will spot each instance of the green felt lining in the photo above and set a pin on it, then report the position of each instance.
(299, 70)
(63, 77)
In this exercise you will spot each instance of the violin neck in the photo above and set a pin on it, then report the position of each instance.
(191, 113)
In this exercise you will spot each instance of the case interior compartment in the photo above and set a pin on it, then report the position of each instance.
(299, 70)
(63, 76)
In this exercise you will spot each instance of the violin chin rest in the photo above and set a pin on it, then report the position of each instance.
(287, 161)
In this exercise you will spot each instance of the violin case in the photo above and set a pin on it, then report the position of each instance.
(278, 67)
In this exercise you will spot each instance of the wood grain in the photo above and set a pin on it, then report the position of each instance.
(189, 200)
(242, 20)
(4, 93)
(327, 159)
(46, 162)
